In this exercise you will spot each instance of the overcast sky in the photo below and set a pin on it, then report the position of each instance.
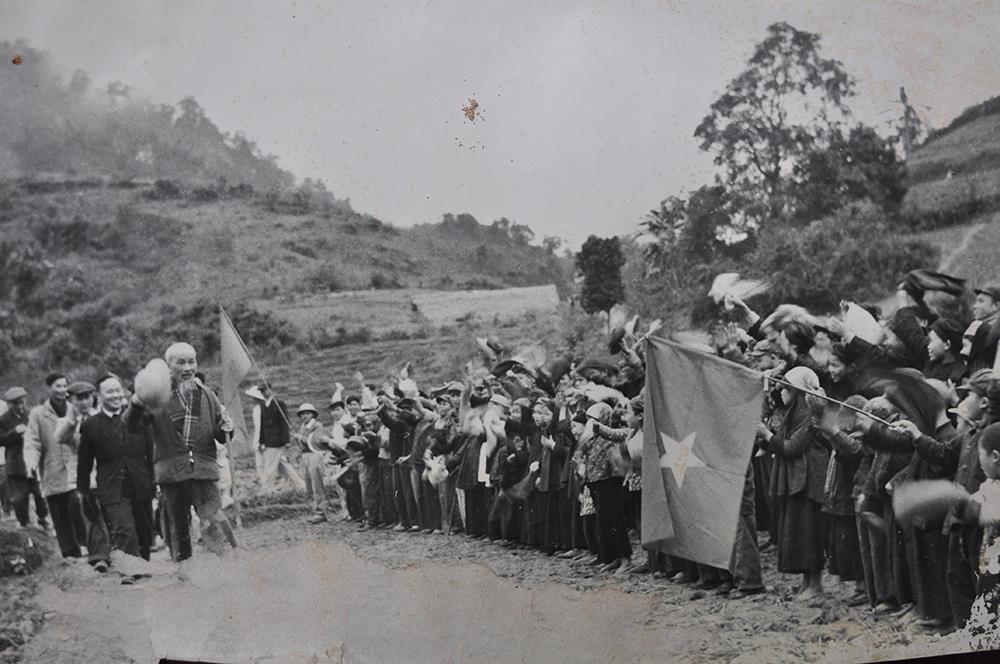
(588, 108)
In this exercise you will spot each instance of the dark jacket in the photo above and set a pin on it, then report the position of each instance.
(968, 473)
(274, 424)
(552, 461)
(124, 458)
(13, 442)
(800, 456)
(173, 461)
(948, 369)
(400, 424)
(468, 469)
(846, 479)
(983, 351)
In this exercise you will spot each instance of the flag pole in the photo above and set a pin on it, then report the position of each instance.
(842, 404)
(253, 362)
(232, 471)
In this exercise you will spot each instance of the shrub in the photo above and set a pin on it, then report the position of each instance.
(849, 255)
(300, 249)
(205, 194)
(324, 278)
(72, 236)
(163, 190)
(381, 281)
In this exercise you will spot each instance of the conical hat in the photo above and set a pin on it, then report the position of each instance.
(152, 385)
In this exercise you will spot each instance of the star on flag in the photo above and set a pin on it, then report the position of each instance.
(679, 457)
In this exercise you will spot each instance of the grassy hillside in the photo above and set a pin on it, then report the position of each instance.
(97, 270)
(954, 176)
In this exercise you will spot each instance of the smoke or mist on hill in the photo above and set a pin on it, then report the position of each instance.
(53, 126)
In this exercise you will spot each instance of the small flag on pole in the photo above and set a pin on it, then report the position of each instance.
(701, 415)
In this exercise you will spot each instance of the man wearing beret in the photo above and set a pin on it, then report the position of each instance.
(50, 444)
(20, 485)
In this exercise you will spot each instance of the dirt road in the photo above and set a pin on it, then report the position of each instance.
(327, 593)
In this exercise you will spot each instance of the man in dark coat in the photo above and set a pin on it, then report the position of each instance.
(124, 458)
(400, 420)
(184, 456)
(20, 487)
(944, 351)
(986, 311)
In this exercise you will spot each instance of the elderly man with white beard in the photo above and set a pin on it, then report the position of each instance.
(184, 456)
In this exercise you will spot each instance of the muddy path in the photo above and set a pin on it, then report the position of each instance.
(328, 593)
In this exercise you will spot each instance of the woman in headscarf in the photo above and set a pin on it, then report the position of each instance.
(604, 477)
(549, 515)
(797, 483)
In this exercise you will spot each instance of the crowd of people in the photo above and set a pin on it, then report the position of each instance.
(95, 459)
(544, 457)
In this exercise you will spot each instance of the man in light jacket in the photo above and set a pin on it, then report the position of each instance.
(50, 447)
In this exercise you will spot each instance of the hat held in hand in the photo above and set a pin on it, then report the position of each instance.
(152, 385)
(926, 500)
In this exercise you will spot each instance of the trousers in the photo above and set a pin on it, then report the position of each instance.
(203, 496)
(66, 510)
(20, 491)
(274, 463)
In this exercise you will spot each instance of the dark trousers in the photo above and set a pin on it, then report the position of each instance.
(928, 555)
(476, 510)
(611, 527)
(578, 539)
(899, 561)
(763, 501)
(963, 550)
(554, 536)
(387, 498)
(203, 496)
(876, 562)
(451, 517)
(130, 526)
(351, 483)
(67, 519)
(494, 518)
(98, 538)
(5, 504)
(20, 490)
(402, 489)
(427, 501)
(372, 493)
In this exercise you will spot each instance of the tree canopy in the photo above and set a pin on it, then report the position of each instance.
(600, 261)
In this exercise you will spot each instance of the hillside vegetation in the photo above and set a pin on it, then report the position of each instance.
(954, 176)
(103, 274)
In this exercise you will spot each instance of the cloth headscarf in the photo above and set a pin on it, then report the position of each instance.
(803, 378)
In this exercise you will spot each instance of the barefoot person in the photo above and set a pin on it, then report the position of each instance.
(184, 457)
(797, 484)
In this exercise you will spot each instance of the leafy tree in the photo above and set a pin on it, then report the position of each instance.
(787, 103)
(521, 233)
(600, 261)
(861, 165)
(552, 244)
